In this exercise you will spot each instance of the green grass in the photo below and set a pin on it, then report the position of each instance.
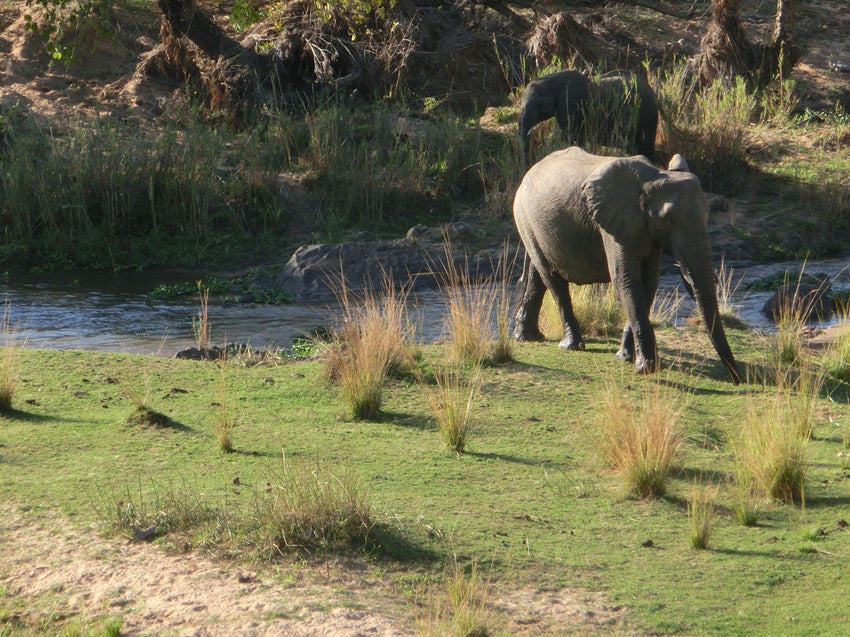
(508, 502)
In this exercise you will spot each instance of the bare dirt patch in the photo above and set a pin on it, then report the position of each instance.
(53, 569)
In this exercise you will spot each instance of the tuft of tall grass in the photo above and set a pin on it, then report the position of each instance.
(451, 399)
(596, 308)
(836, 359)
(309, 509)
(727, 288)
(770, 443)
(702, 514)
(368, 339)
(477, 309)
(9, 365)
(225, 420)
(459, 608)
(201, 324)
(639, 438)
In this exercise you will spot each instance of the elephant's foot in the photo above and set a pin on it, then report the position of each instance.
(645, 365)
(624, 355)
(570, 343)
(528, 334)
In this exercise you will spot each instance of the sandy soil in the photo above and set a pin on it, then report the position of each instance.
(54, 569)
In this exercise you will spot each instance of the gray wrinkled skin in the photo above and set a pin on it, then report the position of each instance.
(590, 219)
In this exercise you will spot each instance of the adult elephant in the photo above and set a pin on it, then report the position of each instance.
(589, 219)
(617, 109)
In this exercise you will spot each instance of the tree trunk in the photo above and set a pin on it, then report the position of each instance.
(726, 52)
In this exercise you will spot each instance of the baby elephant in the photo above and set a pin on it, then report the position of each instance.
(591, 109)
(589, 219)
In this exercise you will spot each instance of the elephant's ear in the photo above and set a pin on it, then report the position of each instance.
(614, 195)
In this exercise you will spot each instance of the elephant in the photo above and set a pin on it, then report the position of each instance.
(589, 110)
(586, 218)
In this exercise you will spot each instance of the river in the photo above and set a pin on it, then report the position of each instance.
(114, 312)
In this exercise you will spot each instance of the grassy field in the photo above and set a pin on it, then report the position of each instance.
(530, 501)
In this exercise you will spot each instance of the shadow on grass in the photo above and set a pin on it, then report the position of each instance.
(25, 416)
(504, 458)
(389, 542)
(820, 501)
(421, 423)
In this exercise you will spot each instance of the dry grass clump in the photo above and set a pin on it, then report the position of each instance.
(458, 609)
(9, 365)
(311, 510)
(451, 399)
(702, 514)
(770, 443)
(596, 308)
(640, 439)
(477, 309)
(371, 337)
(836, 359)
(225, 420)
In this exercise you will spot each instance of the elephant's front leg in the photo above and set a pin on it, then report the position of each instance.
(633, 292)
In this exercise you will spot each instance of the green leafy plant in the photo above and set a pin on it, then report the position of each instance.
(63, 23)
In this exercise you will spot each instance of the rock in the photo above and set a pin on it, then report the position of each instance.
(315, 271)
(806, 300)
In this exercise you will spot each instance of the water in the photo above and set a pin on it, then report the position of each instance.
(113, 312)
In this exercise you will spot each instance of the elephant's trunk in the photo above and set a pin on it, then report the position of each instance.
(698, 264)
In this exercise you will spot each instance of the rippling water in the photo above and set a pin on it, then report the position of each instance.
(112, 312)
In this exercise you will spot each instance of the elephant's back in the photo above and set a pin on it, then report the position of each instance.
(552, 219)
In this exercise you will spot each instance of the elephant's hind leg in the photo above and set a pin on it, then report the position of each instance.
(560, 289)
(526, 323)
